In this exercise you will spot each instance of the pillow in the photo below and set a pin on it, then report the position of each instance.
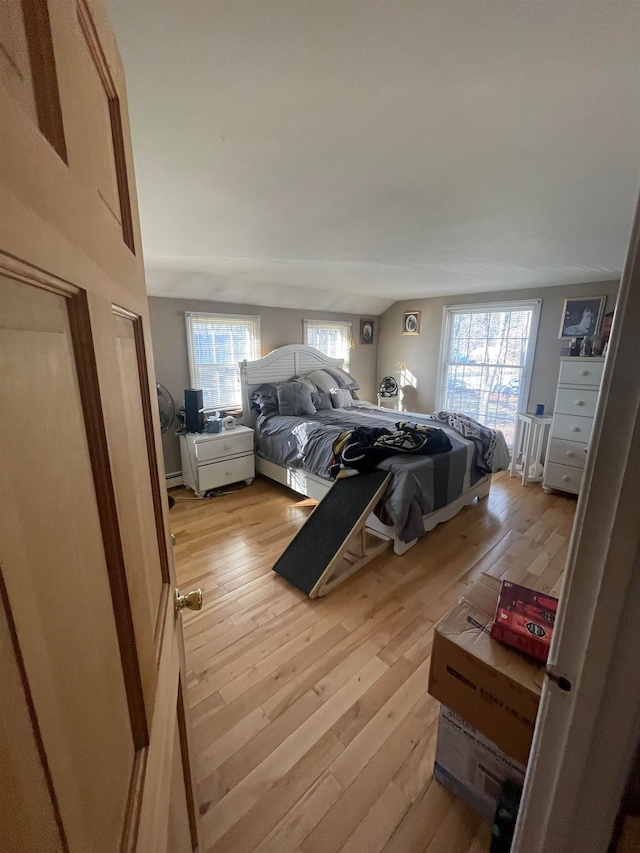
(264, 398)
(324, 381)
(331, 378)
(321, 400)
(341, 399)
(305, 381)
(345, 380)
(355, 385)
(294, 398)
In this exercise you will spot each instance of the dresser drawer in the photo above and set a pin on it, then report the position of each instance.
(567, 452)
(571, 428)
(563, 477)
(217, 474)
(581, 373)
(228, 443)
(576, 401)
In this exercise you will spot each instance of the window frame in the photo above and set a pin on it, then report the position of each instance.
(211, 317)
(448, 314)
(330, 324)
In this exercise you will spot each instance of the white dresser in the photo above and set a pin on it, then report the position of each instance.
(576, 399)
(211, 460)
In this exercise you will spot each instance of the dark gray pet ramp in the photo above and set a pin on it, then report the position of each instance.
(334, 529)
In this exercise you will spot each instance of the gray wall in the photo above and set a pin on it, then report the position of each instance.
(278, 326)
(421, 353)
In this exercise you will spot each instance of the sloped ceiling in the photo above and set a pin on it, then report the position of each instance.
(343, 154)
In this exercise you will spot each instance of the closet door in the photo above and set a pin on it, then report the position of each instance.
(94, 736)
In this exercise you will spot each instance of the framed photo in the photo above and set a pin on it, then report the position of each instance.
(366, 331)
(581, 316)
(411, 323)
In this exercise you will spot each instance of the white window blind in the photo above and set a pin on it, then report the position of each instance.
(486, 360)
(331, 337)
(216, 343)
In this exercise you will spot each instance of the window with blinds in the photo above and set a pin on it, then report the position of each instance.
(216, 343)
(486, 361)
(331, 337)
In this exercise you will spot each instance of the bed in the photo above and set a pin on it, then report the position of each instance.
(296, 452)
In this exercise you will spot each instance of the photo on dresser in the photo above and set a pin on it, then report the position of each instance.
(581, 316)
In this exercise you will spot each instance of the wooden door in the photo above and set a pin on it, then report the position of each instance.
(94, 753)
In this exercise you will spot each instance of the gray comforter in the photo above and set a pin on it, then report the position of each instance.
(420, 484)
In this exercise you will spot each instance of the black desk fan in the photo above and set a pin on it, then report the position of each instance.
(167, 413)
(166, 407)
(388, 387)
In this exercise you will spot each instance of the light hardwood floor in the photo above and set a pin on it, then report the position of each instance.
(312, 727)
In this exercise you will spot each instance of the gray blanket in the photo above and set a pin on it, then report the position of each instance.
(420, 484)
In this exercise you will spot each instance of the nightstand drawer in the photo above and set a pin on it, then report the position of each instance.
(576, 401)
(389, 402)
(227, 443)
(563, 477)
(572, 428)
(581, 372)
(567, 452)
(217, 474)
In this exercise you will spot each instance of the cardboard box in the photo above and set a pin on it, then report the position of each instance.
(471, 765)
(524, 619)
(494, 688)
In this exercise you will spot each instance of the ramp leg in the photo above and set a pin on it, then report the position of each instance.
(344, 563)
(330, 578)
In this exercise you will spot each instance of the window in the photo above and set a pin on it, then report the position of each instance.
(486, 360)
(331, 337)
(216, 343)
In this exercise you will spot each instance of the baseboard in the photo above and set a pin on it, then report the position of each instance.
(174, 479)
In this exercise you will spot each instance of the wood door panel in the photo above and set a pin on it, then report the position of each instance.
(95, 161)
(136, 511)
(27, 66)
(30, 820)
(101, 159)
(179, 840)
(46, 210)
(55, 570)
(15, 67)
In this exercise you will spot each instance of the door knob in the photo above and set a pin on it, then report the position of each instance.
(192, 600)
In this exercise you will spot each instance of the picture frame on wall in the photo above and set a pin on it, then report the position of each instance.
(581, 316)
(366, 331)
(411, 323)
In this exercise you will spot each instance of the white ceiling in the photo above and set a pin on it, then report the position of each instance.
(343, 154)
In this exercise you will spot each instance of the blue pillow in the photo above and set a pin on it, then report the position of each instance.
(341, 399)
(321, 400)
(294, 398)
(264, 399)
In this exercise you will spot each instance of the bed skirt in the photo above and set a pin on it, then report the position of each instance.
(312, 486)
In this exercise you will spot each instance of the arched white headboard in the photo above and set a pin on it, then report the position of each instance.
(278, 366)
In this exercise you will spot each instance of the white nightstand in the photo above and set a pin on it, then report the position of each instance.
(389, 402)
(528, 444)
(211, 460)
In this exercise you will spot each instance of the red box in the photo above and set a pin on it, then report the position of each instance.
(524, 619)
